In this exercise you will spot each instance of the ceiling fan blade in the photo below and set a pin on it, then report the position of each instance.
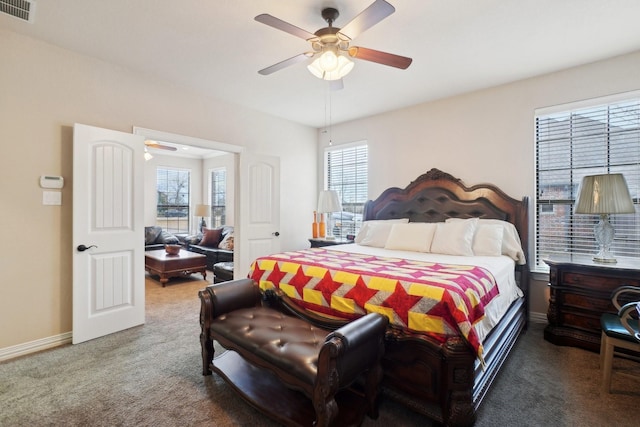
(287, 62)
(376, 12)
(380, 57)
(155, 144)
(279, 24)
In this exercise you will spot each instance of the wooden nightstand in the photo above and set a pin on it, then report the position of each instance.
(318, 243)
(580, 291)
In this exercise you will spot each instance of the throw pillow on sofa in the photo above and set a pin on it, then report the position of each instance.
(211, 237)
(168, 238)
(227, 241)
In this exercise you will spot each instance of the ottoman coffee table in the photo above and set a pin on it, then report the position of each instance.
(183, 263)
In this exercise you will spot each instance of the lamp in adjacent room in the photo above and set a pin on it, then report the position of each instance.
(202, 211)
(329, 202)
(604, 195)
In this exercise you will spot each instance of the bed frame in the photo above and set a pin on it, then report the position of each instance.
(445, 381)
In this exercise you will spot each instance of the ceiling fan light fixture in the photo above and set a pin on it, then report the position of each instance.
(343, 67)
(328, 61)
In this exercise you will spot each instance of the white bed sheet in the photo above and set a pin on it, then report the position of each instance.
(502, 268)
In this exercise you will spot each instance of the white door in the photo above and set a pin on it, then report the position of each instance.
(259, 213)
(108, 278)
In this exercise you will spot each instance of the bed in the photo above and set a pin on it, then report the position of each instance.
(443, 372)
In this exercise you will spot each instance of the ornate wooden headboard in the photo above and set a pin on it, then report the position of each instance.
(436, 196)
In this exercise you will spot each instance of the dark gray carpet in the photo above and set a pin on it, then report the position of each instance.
(151, 376)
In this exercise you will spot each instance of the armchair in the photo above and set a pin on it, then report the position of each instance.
(620, 330)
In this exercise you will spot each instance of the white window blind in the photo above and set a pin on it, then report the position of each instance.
(347, 169)
(603, 137)
(173, 192)
(218, 197)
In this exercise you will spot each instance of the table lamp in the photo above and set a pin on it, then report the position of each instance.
(202, 211)
(328, 202)
(603, 195)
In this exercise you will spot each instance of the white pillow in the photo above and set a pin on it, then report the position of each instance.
(454, 238)
(511, 244)
(488, 240)
(414, 236)
(364, 230)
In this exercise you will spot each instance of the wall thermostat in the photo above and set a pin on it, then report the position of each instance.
(47, 181)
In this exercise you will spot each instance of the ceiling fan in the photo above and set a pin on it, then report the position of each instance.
(155, 144)
(331, 45)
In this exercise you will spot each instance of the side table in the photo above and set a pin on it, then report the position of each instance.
(580, 291)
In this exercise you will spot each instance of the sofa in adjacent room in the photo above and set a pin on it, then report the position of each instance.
(155, 238)
(215, 243)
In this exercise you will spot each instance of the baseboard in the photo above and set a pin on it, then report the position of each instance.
(538, 317)
(34, 346)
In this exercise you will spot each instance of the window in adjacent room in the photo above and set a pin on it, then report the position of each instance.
(346, 171)
(218, 197)
(172, 207)
(588, 138)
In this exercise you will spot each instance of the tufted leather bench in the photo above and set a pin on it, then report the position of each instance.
(316, 361)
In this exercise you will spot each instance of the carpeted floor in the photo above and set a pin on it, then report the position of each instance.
(151, 376)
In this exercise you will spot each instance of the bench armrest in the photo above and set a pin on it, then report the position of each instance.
(360, 343)
(233, 295)
(221, 298)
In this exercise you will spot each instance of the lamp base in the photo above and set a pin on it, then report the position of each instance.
(604, 234)
(604, 260)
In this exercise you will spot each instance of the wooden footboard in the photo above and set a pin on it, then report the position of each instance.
(444, 381)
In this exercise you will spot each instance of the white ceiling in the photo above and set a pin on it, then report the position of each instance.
(216, 47)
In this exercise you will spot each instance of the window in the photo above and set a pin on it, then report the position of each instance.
(172, 207)
(347, 173)
(575, 140)
(218, 197)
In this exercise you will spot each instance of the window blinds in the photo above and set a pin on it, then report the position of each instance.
(347, 173)
(219, 197)
(569, 145)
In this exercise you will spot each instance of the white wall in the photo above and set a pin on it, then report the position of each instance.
(480, 137)
(44, 90)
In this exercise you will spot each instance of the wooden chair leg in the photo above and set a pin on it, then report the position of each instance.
(607, 364)
(602, 339)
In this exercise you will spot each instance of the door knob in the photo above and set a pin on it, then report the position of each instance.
(276, 234)
(82, 248)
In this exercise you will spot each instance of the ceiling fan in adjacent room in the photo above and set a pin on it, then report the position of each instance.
(155, 144)
(331, 45)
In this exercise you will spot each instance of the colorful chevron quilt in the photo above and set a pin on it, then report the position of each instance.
(439, 300)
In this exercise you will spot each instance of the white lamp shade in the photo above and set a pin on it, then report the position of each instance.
(604, 194)
(203, 210)
(328, 201)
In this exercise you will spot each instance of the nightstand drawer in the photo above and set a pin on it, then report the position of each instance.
(600, 305)
(584, 322)
(590, 281)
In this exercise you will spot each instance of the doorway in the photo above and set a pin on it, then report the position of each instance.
(198, 158)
